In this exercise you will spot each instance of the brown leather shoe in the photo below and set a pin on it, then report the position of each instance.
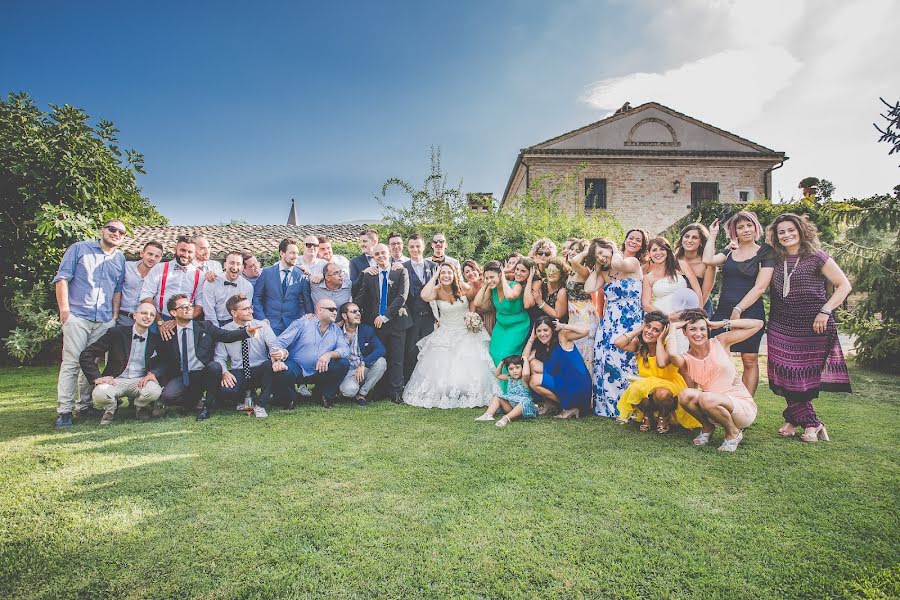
(108, 417)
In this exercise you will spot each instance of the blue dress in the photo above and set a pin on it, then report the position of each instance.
(738, 278)
(566, 375)
(613, 366)
(518, 393)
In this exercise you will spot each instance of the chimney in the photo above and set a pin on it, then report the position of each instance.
(292, 216)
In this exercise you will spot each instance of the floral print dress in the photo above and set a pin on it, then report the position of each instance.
(614, 368)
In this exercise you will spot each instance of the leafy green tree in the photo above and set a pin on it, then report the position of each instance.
(492, 233)
(61, 179)
(891, 133)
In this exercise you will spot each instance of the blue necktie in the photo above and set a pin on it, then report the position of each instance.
(284, 282)
(185, 374)
(382, 308)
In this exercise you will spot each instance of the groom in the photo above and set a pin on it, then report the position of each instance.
(381, 293)
(419, 270)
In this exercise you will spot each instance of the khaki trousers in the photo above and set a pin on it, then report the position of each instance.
(78, 334)
(106, 394)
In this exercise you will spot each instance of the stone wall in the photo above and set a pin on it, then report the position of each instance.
(639, 192)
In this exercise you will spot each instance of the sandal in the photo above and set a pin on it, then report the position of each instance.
(664, 424)
(485, 417)
(732, 444)
(503, 422)
(817, 433)
(787, 430)
(702, 439)
(645, 425)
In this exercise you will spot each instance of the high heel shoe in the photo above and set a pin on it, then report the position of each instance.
(788, 430)
(819, 433)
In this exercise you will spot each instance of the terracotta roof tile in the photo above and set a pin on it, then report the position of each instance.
(258, 239)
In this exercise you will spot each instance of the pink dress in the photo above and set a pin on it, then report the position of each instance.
(716, 373)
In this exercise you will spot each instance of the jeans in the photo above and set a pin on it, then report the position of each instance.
(260, 376)
(326, 383)
(350, 388)
(78, 334)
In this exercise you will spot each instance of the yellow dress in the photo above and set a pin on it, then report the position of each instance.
(652, 377)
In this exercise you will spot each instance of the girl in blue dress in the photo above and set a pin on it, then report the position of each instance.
(620, 276)
(558, 372)
(517, 401)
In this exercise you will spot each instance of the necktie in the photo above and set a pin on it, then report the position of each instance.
(284, 282)
(185, 374)
(382, 308)
(137, 337)
(229, 283)
(245, 356)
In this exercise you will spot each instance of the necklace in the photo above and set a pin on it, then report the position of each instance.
(786, 289)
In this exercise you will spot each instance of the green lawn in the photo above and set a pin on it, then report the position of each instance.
(395, 501)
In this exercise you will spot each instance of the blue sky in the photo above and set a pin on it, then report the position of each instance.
(240, 107)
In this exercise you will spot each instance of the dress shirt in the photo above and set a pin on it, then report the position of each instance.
(305, 343)
(311, 268)
(210, 266)
(340, 296)
(400, 260)
(285, 272)
(259, 346)
(216, 294)
(356, 358)
(137, 365)
(177, 282)
(131, 288)
(93, 277)
(194, 363)
(341, 261)
(419, 269)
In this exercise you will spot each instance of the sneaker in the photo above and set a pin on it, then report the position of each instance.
(88, 413)
(303, 390)
(64, 421)
(260, 412)
(243, 406)
(485, 417)
(108, 417)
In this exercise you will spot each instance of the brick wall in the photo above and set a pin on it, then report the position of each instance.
(639, 192)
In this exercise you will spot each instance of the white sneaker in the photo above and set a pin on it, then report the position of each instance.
(303, 390)
(485, 417)
(243, 406)
(260, 412)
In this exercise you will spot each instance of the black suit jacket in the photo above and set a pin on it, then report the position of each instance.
(414, 303)
(367, 295)
(116, 345)
(358, 264)
(206, 336)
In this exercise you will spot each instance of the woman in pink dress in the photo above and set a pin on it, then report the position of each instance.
(723, 399)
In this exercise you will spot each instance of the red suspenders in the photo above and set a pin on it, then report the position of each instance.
(162, 287)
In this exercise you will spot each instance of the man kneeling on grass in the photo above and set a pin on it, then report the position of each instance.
(251, 367)
(131, 351)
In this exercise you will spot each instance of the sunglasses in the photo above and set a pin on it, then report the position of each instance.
(184, 307)
(438, 241)
(112, 229)
(332, 309)
(542, 253)
(311, 245)
(354, 312)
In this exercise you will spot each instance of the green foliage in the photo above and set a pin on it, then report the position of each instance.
(808, 182)
(493, 233)
(39, 324)
(890, 134)
(61, 179)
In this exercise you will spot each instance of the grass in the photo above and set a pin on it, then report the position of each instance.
(395, 501)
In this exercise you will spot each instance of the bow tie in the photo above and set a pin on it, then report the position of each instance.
(180, 268)
(137, 337)
(229, 283)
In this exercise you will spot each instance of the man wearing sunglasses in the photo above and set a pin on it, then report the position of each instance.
(309, 262)
(439, 246)
(311, 350)
(90, 274)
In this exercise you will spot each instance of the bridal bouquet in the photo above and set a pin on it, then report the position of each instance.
(473, 322)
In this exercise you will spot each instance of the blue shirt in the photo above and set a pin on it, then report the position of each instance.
(93, 278)
(305, 344)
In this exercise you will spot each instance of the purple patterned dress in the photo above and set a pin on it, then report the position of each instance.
(802, 362)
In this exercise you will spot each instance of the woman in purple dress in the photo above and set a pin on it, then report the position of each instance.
(804, 351)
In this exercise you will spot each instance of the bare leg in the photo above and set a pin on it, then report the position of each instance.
(750, 376)
(689, 399)
(493, 406)
(665, 402)
(719, 408)
(537, 388)
(507, 407)
(649, 420)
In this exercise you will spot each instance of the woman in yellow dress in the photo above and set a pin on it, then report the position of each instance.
(653, 396)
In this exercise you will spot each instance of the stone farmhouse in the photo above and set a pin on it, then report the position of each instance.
(648, 166)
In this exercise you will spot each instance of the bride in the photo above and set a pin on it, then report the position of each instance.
(455, 369)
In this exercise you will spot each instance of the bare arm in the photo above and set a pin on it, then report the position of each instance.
(499, 374)
(528, 299)
(709, 281)
(692, 280)
(625, 265)
(570, 333)
(628, 341)
(429, 292)
(560, 309)
(710, 257)
(647, 295)
(763, 278)
(838, 279)
(483, 297)
(594, 282)
(577, 264)
(526, 371)
(62, 299)
(741, 329)
(663, 355)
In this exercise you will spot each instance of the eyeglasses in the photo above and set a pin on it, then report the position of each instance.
(354, 312)
(112, 229)
(552, 269)
(542, 253)
(311, 245)
(184, 307)
(332, 309)
(438, 241)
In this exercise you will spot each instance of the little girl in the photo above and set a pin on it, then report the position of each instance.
(517, 401)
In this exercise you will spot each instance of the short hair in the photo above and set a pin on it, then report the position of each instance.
(170, 305)
(437, 233)
(283, 246)
(394, 234)
(328, 267)
(744, 215)
(231, 303)
(148, 301)
(114, 221)
(493, 266)
(369, 233)
(197, 237)
(344, 308)
(416, 236)
(155, 244)
(238, 252)
(324, 239)
(184, 239)
(515, 359)
(245, 256)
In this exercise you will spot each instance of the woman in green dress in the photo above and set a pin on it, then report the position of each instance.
(513, 324)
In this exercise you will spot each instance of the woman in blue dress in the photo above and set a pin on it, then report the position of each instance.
(621, 279)
(558, 372)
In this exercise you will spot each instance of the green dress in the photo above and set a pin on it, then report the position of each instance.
(512, 328)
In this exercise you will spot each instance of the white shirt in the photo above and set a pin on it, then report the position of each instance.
(210, 266)
(177, 282)
(194, 363)
(418, 268)
(131, 287)
(340, 261)
(310, 267)
(216, 294)
(137, 366)
(260, 346)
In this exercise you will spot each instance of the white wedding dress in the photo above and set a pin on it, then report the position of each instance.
(455, 369)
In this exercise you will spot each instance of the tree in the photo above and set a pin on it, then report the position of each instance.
(492, 233)
(61, 179)
(824, 191)
(890, 133)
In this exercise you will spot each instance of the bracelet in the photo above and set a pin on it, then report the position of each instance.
(825, 312)
(738, 308)
(727, 325)
(542, 305)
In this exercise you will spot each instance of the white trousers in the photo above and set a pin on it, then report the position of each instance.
(106, 394)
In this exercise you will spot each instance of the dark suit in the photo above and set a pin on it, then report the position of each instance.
(358, 264)
(279, 307)
(116, 345)
(420, 312)
(209, 378)
(367, 295)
